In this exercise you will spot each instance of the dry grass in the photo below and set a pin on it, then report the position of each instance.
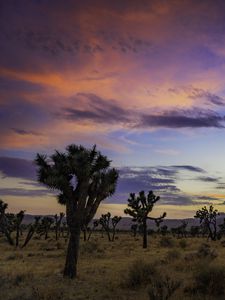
(36, 271)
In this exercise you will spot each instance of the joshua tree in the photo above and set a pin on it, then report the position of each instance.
(5, 226)
(133, 229)
(207, 218)
(115, 221)
(194, 231)
(84, 179)
(58, 221)
(45, 226)
(31, 231)
(222, 228)
(95, 225)
(157, 223)
(139, 209)
(105, 222)
(18, 221)
(164, 229)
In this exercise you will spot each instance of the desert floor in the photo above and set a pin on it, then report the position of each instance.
(191, 268)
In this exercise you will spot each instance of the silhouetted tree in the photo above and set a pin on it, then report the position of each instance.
(157, 223)
(32, 229)
(84, 178)
(115, 221)
(164, 229)
(58, 221)
(207, 217)
(95, 225)
(222, 228)
(18, 221)
(134, 228)
(105, 222)
(139, 208)
(4, 222)
(195, 231)
(45, 226)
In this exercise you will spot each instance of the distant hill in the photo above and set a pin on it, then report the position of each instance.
(126, 222)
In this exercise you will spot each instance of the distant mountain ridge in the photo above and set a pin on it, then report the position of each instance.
(126, 222)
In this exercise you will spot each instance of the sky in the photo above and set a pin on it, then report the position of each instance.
(143, 80)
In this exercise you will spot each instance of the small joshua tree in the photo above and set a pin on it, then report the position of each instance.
(32, 229)
(105, 222)
(222, 228)
(18, 221)
(45, 226)
(207, 217)
(134, 228)
(115, 221)
(58, 221)
(157, 223)
(139, 208)
(95, 225)
(5, 226)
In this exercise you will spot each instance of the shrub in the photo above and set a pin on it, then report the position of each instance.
(172, 255)
(51, 293)
(162, 288)
(139, 274)
(183, 244)
(210, 280)
(91, 247)
(166, 241)
(205, 251)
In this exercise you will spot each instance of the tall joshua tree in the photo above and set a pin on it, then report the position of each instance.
(83, 178)
(139, 208)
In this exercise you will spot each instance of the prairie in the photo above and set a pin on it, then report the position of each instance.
(114, 270)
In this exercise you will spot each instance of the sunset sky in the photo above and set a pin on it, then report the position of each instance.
(144, 80)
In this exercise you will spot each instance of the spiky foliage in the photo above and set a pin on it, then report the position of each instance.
(83, 178)
(208, 218)
(139, 207)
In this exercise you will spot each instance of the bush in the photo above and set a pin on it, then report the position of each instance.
(162, 288)
(183, 244)
(166, 241)
(139, 274)
(91, 247)
(172, 255)
(205, 251)
(210, 280)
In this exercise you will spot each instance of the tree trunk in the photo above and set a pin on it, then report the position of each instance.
(17, 235)
(70, 269)
(145, 234)
(56, 232)
(85, 234)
